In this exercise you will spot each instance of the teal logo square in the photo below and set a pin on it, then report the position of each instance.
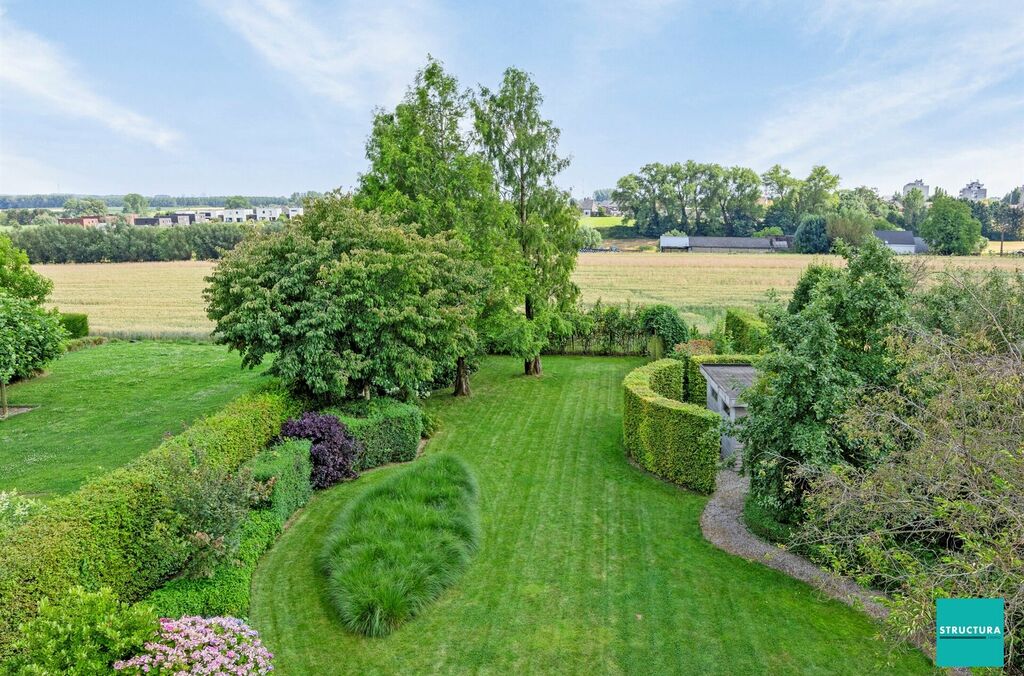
(969, 632)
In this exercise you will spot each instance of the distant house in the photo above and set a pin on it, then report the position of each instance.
(900, 241)
(974, 191)
(146, 220)
(295, 211)
(587, 207)
(919, 184)
(725, 385)
(608, 208)
(238, 215)
(268, 213)
(84, 221)
(725, 244)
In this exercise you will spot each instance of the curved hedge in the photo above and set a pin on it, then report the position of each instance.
(390, 430)
(121, 530)
(748, 331)
(695, 387)
(677, 441)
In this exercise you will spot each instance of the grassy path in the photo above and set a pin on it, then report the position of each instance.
(586, 565)
(101, 407)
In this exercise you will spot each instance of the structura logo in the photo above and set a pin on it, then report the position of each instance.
(969, 632)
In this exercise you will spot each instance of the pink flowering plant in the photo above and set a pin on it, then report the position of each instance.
(197, 645)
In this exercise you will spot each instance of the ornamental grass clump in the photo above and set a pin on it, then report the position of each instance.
(334, 452)
(197, 645)
(401, 544)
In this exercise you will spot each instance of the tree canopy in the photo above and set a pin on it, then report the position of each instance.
(17, 278)
(950, 228)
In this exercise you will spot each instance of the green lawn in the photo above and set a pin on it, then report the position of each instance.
(586, 565)
(101, 407)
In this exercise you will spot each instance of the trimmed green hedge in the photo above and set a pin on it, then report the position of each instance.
(675, 440)
(120, 530)
(75, 323)
(287, 466)
(695, 386)
(748, 331)
(390, 430)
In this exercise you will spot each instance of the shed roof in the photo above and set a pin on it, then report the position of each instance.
(731, 242)
(731, 379)
(895, 236)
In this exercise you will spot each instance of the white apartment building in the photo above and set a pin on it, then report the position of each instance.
(916, 185)
(237, 215)
(974, 191)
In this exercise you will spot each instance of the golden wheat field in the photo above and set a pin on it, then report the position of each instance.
(166, 298)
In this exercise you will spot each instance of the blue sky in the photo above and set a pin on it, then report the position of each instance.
(275, 96)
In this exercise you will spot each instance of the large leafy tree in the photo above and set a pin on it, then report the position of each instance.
(134, 203)
(425, 172)
(349, 302)
(950, 228)
(17, 278)
(831, 344)
(914, 209)
(86, 206)
(523, 148)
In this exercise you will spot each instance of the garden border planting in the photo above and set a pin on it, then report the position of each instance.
(390, 430)
(748, 331)
(673, 439)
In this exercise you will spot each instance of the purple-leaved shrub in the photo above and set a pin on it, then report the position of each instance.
(197, 645)
(334, 450)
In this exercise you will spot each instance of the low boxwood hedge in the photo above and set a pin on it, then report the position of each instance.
(748, 331)
(675, 440)
(120, 530)
(695, 386)
(75, 323)
(285, 468)
(390, 430)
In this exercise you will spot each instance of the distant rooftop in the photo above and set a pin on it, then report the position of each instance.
(732, 379)
(895, 236)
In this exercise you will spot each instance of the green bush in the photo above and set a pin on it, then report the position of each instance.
(748, 332)
(76, 324)
(675, 440)
(389, 430)
(695, 386)
(226, 591)
(401, 544)
(284, 470)
(82, 633)
(121, 530)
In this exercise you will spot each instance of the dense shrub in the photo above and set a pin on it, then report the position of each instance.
(285, 472)
(197, 645)
(226, 591)
(401, 544)
(664, 322)
(749, 332)
(334, 452)
(389, 430)
(695, 386)
(675, 440)
(15, 510)
(76, 324)
(120, 530)
(30, 338)
(82, 633)
(812, 235)
(17, 278)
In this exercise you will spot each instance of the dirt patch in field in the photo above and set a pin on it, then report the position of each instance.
(15, 410)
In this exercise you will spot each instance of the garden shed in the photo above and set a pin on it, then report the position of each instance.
(725, 384)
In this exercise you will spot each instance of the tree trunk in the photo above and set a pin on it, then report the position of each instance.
(1002, 238)
(3, 400)
(531, 367)
(461, 379)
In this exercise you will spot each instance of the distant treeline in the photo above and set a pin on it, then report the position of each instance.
(123, 244)
(56, 201)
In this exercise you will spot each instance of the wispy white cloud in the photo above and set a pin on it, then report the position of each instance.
(364, 56)
(916, 62)
(37, 68)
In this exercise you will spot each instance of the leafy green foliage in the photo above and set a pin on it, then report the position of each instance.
(826, 350)
(82, 633)
(349, 302)
(401, 544)
(852, 227)
(134, 203)
(770, 231)
(749, 332)
(812, 235)
(17, 278)
(85, 206)
(389, 430)
(121, 530)
(30, 337)
(15, 509)
(76, 324)
(663, 321)
(950, 228)
(283, 471)
(588, 237)
(675, 440)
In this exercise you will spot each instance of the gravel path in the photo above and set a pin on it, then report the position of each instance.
(722, 525)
